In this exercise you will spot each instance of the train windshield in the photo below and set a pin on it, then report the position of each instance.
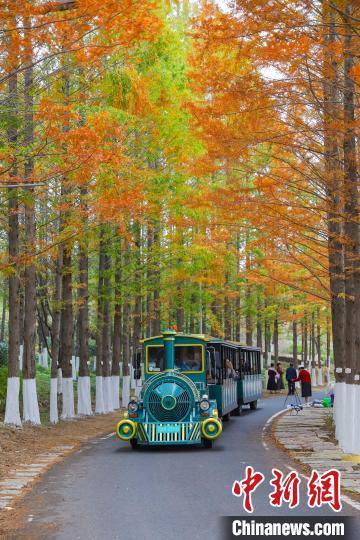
(155, 359)
(188, 357)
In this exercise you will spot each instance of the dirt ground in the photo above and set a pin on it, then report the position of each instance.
(21, 446)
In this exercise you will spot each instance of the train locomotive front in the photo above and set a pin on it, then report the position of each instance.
(174, 406)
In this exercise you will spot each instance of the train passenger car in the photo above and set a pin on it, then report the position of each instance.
(191, 383)
(237, 379)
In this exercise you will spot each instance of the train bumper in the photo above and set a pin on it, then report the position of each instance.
(153, 433)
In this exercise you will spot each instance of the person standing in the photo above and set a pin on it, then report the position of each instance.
(305, 380)
(272, 376)
(290, 375)
(280, 372)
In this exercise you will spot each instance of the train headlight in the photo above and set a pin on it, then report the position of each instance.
(204, 405)
(126, 429)
(211, 428)
(133, 406)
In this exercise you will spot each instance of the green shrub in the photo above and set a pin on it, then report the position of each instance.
(4, 353)
(3, 381)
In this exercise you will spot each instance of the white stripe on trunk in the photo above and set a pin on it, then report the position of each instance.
(68, 408)
(59, 378)
(12, 409)
(30, 402)
(125, 390)
(115, 387)
(54, 413)
(107, 391)
(340, 416)
(99, 405)
(84, 396)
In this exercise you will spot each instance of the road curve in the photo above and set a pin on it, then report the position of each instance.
(108, 491)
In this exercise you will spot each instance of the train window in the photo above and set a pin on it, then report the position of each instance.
(253, 370)
(188, 357)
(155, 358)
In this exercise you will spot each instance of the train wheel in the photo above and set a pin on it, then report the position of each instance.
(133, 443)
(226, 417)
(237, 411)
(208, 443)
(253, 405)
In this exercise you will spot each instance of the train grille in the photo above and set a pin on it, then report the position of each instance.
(180, 410)
(152, 432)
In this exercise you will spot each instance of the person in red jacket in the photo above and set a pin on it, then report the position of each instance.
(305, 380)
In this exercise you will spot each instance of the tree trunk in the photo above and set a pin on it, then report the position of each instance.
(126, 337)
(227, 312)
(328, 342)
(318, 339)
(349, 435)
(117, 331)
(157, 277)
(100, 404)
(31, 407)
(276, 339)
(56, 375)
(267, 337)
(259, 322)
(305, 340)
(3, 315)
(12, 410)
(138, 288)
(295, 347)
(334, 189)
(84, 392)
(149, 282)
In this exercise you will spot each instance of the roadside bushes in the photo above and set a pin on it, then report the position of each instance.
(4, 353)
(3, 381)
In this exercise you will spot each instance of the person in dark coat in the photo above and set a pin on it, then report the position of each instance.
(290, 375)
(280, 372)
(272, 376)
(305, 379)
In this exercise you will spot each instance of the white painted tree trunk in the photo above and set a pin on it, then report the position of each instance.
(107, 391)
(54, 413)
(59, 379)
(12, 408)
(340, 410)
(356, 428)
(125, 390)
(320, 377)
(115, 387)
(133, 381)
(21, 355)
(138, 385)
(84, 396)
(313, 377)
(45, 357)
(73, 367)
(348, 431)
(30, 402)
(68, 408)
(99, 404)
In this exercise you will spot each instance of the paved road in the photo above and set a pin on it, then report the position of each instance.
(108, 491)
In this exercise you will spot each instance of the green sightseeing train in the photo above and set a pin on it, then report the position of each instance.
(192, 384)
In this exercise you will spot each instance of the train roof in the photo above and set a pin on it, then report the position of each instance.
(208, 339)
